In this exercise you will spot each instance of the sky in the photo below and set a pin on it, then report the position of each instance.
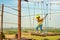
(31, 8)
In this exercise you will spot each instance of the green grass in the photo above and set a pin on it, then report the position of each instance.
(10, 31)
(14, 31)
(47, 37)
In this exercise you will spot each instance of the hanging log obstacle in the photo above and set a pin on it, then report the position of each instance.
(45, 34)
(38, 34)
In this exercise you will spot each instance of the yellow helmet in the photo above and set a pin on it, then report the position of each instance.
(37, 15)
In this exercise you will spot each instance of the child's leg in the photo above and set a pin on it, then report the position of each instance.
(41, 28)
(37, 29)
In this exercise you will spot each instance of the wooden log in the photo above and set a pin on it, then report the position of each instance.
(57, 33)
(38, 34)
(50, 34)
(45, 34)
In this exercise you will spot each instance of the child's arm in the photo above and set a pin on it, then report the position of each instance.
(45, 16)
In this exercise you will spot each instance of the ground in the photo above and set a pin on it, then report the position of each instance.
(10, 33)
(40, 37)
(28, 35)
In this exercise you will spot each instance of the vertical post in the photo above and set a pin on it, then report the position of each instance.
(19, 19)
(2, 22)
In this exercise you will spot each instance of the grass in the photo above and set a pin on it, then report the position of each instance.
(14, 31)
(41, 38)
(47, 37)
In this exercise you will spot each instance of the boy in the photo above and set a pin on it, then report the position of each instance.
(40, 22)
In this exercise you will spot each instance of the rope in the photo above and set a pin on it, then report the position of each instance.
(34, 13)
(45, 21)
(9, 13)
(43, 12)
(47, 17)
(9, 23)
(29, 13)
(41, 9)
(47, 3)
(47, 13)
(50, 10)
(38, 7)
(12, 8)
